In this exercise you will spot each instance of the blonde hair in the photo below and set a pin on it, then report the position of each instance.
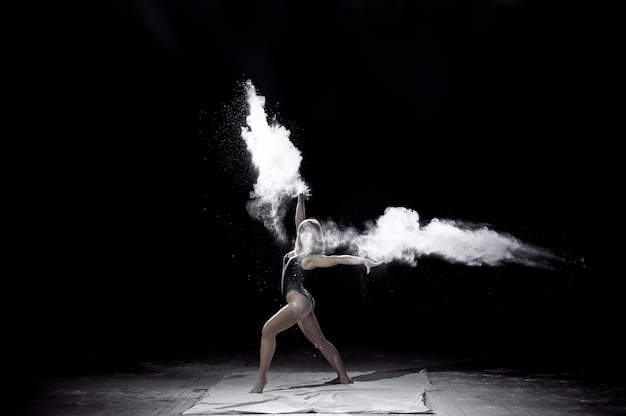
(319, 245)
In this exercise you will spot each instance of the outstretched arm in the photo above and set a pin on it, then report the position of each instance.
(300, 211)
(321, 260)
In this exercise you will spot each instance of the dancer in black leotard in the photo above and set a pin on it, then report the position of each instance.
(293, 277)
(307, 255)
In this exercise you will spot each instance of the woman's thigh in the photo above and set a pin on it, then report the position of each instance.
(310, 327)
(297, 308)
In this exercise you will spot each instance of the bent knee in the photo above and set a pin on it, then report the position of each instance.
(269, 330)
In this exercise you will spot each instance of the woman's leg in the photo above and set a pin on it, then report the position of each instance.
(286, 317)
(311, 329)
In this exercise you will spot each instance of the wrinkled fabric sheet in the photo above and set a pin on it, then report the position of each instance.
(300, 392)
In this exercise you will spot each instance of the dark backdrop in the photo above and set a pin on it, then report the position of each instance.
(137, 243)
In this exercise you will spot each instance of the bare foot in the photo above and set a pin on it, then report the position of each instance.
(258, 387)
(340, 380)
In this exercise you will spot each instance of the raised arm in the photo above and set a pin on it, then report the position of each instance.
(321, 260)
(300, 211)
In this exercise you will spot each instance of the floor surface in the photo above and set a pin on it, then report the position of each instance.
(462, 386)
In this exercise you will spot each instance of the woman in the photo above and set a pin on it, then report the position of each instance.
(298, 264)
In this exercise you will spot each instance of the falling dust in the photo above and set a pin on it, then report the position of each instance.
(397, 235)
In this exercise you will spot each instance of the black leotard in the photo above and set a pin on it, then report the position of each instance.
(293, 277)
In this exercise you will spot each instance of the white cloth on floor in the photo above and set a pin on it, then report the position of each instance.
(300, 392)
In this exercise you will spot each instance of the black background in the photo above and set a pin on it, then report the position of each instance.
(134, 241)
